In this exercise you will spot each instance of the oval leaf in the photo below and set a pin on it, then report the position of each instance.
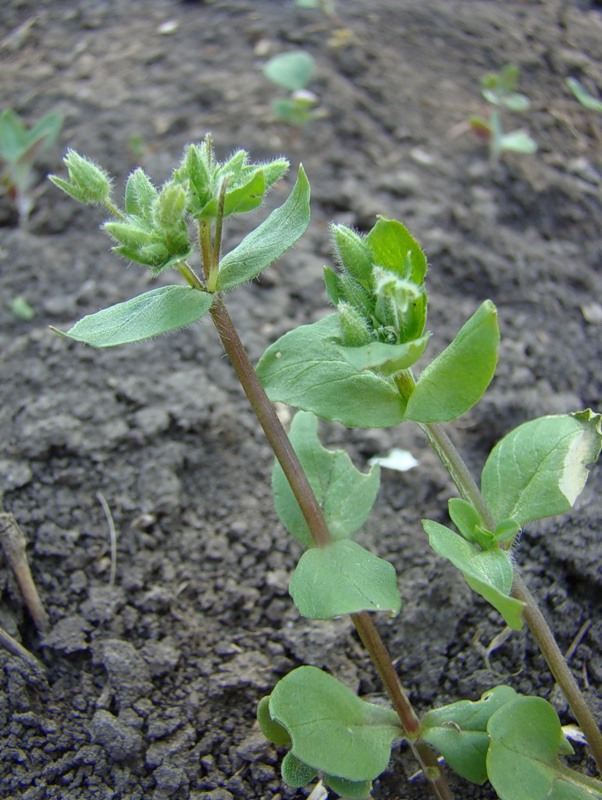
(292, 70)
(305, 369)
(388, 358)
(343, 578)
(345, 494)
(526, 738)
(270, 240)
(540, 468)
(456, 379)
(459, 732)
(143, 317)
(487, 572)
(333, 730)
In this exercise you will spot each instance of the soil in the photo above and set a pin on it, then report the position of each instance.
(149, 686)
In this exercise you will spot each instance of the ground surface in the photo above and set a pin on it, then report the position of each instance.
(150, 685)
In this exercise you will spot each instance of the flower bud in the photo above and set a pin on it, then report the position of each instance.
(89, 183)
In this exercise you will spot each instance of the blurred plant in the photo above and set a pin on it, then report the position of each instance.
(327, 6)
(585, 98)
(19, 148)
(499, 89)
(21, 309)
(293, 71)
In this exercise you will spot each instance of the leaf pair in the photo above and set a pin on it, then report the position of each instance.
(342, 577)
(330, 730)
(511, 740)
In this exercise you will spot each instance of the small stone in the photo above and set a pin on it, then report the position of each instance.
(120, 741)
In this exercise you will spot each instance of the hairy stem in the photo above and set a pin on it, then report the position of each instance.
(312, 512)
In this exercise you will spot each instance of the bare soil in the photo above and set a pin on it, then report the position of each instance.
(149, 686)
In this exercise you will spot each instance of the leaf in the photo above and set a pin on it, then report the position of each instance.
(270, 240)
(526, 738)
(247, 197)
(343, 578)
(455, 380)
(150, 314)
(272, 730)
(291, 70)
(345, 494)
(459, 732)
(585, 98)
(394, 248)
(350, 790)
(518, 142)
(332, 730)
(540, 468)
(306, 369)
(388, 358)
(295, 772)
(487, 572)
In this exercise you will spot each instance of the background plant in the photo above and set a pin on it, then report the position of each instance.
(19, 148)
(367, 347)
(293, 71)
(499, 89)
(586, 98)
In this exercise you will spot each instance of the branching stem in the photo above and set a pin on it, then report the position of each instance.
(466, 485)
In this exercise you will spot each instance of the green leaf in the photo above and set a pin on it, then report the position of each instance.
(343, 578)
(540, 468)
(140, 195)
(292, 70)
(387, 358)
(518, 142)
(333, 730)
(394, 248)
(12, 136)
(295, 772)
(522, 762)
(247, 197)
(272, 730)
(455, 380)
(465, 517)
(306, 369)
(353, 253)
(459, 732)
(585, 98)
(150, 314)
(487, 572)
(345, 494)
(350, 790)
(270, 240)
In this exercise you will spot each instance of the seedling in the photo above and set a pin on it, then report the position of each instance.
(19, 148)
(356, 366)
(585, 98)
(293, 71)
(499, 89)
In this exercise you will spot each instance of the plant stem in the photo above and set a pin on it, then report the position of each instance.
(312, 512)
(467, 486)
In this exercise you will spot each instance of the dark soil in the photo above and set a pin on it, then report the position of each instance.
(149, 686)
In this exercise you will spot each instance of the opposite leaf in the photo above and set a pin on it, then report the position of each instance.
(332, 730)
(526, 739)
(343, 578)
(345, 494)
(487, 572)
(143, 317)
(540, 468)
(459, 732)
(269, 241)
(306, 369)
(456, 379)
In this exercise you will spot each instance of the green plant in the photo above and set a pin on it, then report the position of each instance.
(585, 98)
(355, 366)
(19, 148)
(293, 71)
(327, 6)
(499, 89)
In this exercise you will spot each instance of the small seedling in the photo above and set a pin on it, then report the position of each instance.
(499, 89)
(293, 71)
(21, 309)
(327, 6)
(585, 98)
(19, 148)
(356, 366)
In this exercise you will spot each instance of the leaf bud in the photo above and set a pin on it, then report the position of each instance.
(170, 206)
(89, 183)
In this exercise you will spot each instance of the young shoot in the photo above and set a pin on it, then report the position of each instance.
(499, 90)
(293, 72)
